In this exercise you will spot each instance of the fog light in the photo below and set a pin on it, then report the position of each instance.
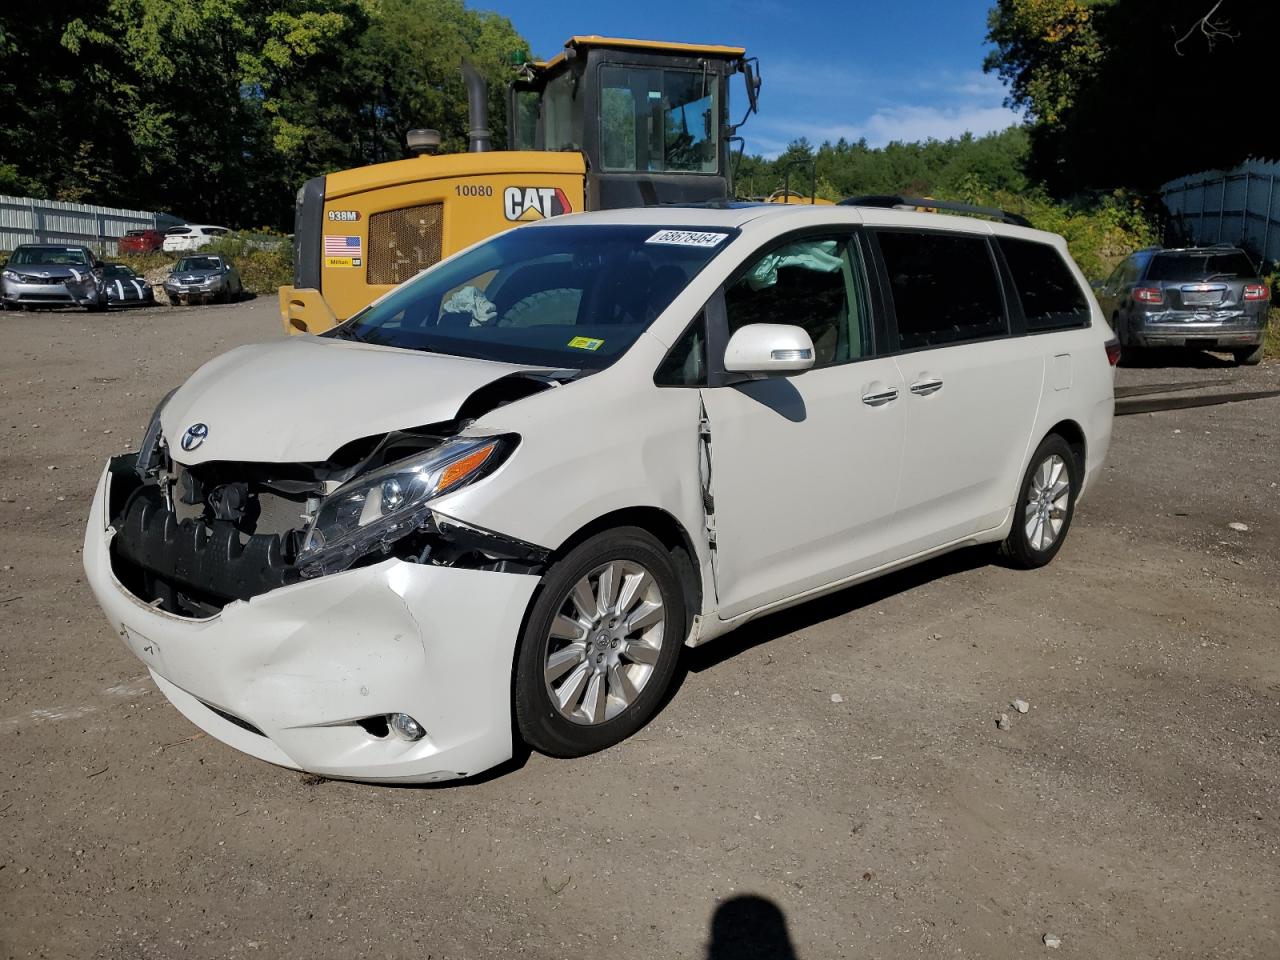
(405, 727)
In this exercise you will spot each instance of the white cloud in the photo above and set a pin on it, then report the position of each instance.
(905, 123)
(938, 123)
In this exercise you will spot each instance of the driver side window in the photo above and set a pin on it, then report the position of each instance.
(815, 284)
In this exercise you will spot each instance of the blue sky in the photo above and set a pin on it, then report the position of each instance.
(894, 70)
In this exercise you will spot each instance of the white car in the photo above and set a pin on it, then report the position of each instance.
(190, 236)
(496, 503)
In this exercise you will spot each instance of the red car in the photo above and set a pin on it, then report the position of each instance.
(140, 241)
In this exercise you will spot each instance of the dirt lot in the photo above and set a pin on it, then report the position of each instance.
(1132, 811)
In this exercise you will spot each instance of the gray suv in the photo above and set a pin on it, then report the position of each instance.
(1205, 298)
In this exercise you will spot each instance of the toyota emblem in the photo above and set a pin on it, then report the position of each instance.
(194, 436)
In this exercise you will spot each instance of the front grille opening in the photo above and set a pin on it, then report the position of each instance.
(403, 242)
(232, 718)
(375, 726)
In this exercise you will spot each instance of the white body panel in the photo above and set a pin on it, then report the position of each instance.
(813, 489)
(280, 388)
(198, 237)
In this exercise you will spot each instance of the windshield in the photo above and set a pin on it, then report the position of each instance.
(1200, 266)
(70, 256)
(198, 263)
(561, 296)
(117, 270)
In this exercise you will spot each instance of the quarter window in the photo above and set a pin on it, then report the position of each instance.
(1051, 297)
(815, 284)
(944, 288)
(686, 364)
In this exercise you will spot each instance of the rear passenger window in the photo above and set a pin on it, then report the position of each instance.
(1051, 298)
(944, 288)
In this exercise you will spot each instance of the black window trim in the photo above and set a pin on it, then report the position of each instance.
(717, 314)
(890, 314)
(1013, 299)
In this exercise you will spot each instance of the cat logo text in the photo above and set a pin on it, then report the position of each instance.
(534, 203)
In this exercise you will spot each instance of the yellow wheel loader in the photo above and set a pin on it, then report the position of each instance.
(607, 123)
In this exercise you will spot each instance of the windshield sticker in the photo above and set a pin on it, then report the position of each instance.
(687, 238)
(586, 343)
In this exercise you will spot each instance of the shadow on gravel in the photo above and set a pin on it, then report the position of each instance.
(749, 928)
(833, 605)
(1150, 357)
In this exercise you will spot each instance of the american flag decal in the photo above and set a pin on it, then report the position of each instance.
(341, 246)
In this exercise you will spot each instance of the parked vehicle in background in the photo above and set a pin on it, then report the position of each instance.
(191, 236)
(141, 241)
(204, 278)
(125, 288)
(52, 275)
(1205, 298)
(405, 566)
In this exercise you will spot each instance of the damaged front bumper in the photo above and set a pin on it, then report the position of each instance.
(302, 674)
(51, 293)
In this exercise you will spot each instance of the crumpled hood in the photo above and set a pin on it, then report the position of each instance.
(204, 273)
(298, 400)
(55, 271)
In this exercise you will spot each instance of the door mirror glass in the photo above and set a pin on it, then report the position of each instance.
(769, 349)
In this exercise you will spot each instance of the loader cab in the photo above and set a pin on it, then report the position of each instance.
(651, 118)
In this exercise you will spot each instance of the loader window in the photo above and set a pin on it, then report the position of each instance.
(560, 130)
(659, 120)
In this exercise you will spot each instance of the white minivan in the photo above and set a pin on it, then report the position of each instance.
(495, 504)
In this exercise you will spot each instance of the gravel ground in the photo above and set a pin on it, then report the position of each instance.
(829, 781)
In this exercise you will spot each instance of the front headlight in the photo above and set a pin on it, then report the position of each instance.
(10, 275)
(150, 453)
(378, 508)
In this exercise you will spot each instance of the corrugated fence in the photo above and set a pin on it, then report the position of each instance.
(27, 220)
(1240, 206)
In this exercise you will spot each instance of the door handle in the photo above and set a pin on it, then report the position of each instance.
(880, 397)
(922, 388)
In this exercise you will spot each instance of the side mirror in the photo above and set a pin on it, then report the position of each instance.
(769, 349)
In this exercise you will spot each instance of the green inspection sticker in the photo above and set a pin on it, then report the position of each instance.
(586, 343)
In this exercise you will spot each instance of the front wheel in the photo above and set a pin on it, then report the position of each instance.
(1045, 505)
(600, 645)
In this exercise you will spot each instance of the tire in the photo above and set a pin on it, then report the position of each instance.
(1127, 351)
(1249, 356)
(589, 664)
(1028, 549)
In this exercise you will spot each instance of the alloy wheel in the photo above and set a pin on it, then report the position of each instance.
(604, 642)
(1048, 497)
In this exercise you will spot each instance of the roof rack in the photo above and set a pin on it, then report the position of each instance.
(893, 200)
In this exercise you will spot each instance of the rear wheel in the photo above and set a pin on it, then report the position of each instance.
(1248, 356)
(601, 644)
(1045, 505)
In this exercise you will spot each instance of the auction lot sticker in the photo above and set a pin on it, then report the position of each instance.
(687, 238)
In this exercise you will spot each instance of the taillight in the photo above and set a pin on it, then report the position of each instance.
(1113, 351)
(1257, 291)
(1148, 295)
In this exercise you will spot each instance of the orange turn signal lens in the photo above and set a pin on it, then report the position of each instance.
(463, 467)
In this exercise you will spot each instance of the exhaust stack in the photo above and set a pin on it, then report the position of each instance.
(478, 103)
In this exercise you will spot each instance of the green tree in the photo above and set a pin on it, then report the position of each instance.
(1131, 93)
(219, 109)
